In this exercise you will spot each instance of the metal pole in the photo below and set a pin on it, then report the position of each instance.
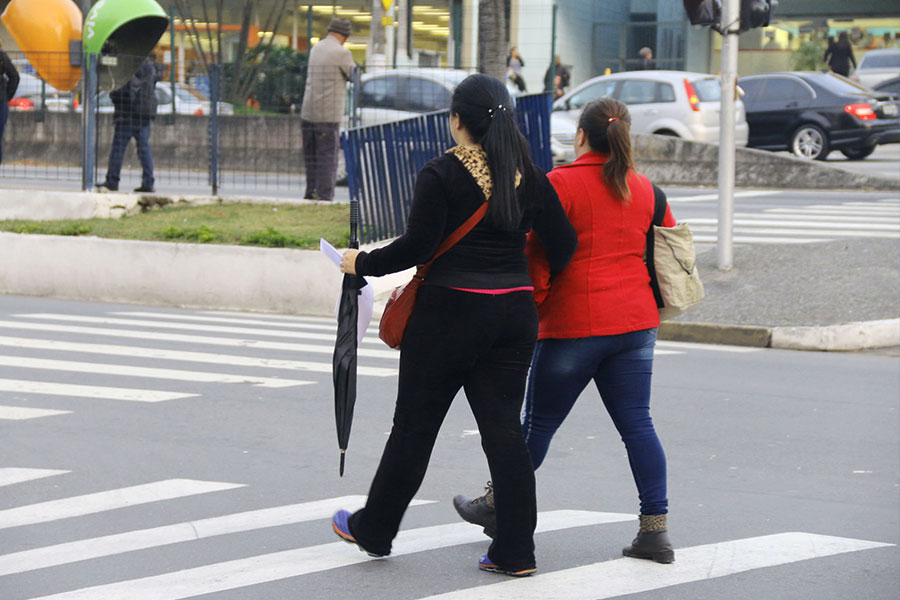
(730, 19)
(88, 121)
(214, 128)
(170, 119)
(309, 17)
(553, 56)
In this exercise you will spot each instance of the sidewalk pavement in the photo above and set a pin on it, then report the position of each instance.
(840, 295)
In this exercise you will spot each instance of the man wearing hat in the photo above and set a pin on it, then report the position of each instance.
(330, 67)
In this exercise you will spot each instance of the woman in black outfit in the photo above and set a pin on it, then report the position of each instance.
(474, 324)
(839, 55)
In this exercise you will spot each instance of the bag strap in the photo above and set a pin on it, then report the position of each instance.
(451, 240)
(659, 214)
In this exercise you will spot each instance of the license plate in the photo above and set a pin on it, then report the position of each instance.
(890, 110)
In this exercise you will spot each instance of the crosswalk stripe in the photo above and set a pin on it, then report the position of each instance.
(153, 373)
(157, 324)
(21, 413)
(830, 209)
(624, 576)
(313, 559)
(757, 239)
(802, 224)
(715, 196)
(11, 475)
(88, 391)
(809, 218)
(788, 231)
(192, 339)
(185, 356)
(331, 327)
(711, 347)
(77, 506)
(109, 545)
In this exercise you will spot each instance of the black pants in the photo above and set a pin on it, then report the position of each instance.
(483, 344)
(124, 131)
(321, 142)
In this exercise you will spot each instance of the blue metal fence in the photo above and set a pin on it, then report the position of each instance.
(383, 160)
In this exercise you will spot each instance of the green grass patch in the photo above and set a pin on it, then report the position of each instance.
(281, 226)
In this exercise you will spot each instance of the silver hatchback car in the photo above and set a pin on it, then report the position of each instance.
(676, 103)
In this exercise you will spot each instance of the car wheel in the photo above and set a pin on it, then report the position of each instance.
(810, 142)
(858, 152)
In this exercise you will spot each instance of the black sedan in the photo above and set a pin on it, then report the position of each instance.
(813, 113)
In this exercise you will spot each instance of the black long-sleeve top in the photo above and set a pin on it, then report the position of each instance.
(446, 195)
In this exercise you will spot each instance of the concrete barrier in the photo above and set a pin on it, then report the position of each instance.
(673, 161)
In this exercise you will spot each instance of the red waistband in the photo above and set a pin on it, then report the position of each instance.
(494, 292)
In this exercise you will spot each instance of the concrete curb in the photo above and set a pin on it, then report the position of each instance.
(844, 337)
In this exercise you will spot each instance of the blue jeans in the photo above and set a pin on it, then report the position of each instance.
(124, 131)
(4, 114)
(621, 367)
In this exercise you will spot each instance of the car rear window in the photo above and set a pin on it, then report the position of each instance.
(880, 61)
(708, 90)
(840, 85)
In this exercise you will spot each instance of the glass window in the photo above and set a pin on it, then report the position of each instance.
(635, 91)
(840, 85)
(163, 95)
(780, 89)
(708, 90)
(381, 92)
(752, 89)
(424, 95)
(664, 92)
(591, 93)
(887, 60)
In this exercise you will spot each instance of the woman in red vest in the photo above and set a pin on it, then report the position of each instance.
(598, 318)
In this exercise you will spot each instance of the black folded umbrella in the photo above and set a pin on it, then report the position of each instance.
(345, 347)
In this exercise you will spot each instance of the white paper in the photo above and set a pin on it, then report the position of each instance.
(366, 297)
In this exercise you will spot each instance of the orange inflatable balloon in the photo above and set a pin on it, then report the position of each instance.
(43, 30)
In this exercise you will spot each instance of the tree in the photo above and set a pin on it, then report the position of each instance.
(492, 40)
(247, 62)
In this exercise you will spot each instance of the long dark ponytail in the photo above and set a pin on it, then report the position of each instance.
(486, 111)
(607, 125)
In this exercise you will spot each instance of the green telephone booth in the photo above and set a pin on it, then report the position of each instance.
(122, 33)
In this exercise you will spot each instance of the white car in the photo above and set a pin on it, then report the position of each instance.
(676, 103)
(877, 66)
(188, 101)
(394, 94)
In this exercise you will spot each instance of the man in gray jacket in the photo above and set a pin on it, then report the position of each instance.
(330, 67)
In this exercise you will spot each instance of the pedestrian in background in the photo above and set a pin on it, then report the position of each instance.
(134, 108)
(598, 319)
(839, 56)
(561, 78)
(647, 63)
(474, 323)
(9, 82)
(514, 64)
(330, 68)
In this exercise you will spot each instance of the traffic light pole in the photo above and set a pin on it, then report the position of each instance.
(727, 118)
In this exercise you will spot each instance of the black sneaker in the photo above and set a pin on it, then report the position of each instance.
(144, 190)
(105, 187)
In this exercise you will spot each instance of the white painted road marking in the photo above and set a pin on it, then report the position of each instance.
(193, 339)
(22, 386)
(152, 373)
(186, 356)
(715, 196)
(158, 324)
(626, 576)
(87, 504)
(292, 563)
(11, 475)
(21, 413)
(331, 326)
(800, 224)
(109, 545)
(710, 347)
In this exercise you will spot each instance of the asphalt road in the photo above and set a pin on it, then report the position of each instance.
(119, 482)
